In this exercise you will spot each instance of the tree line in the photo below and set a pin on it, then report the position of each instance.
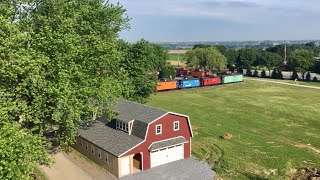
(62, 64)
(298, 58)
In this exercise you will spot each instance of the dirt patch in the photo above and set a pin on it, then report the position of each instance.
(308, 146)
(177, 63)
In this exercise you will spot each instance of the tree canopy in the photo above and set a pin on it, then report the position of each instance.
(60, 66)
(142, 60)
(246, 58)
(302, 61)
(208, 58)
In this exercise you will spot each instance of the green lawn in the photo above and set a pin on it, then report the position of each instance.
(176, 57)
(302, 83)
(274, 127)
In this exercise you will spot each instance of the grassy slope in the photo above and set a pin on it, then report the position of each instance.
(268, 123)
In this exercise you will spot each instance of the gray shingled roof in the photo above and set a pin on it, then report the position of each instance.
(104, 134)
(171, 142)
(134, 111)
(139, 129)
(114, 141)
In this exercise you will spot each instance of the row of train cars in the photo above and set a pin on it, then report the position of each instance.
(198, 79)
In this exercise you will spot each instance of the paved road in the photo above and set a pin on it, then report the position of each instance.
(186, 169)
(277, 82)
(287, 75)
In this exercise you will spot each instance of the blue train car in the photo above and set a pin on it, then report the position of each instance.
(188, 83)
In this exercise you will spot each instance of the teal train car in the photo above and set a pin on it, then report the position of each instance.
(233, 78)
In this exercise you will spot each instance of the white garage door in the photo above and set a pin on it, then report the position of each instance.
(125, 166)
(166, 155)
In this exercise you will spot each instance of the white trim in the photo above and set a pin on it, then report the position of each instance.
(186, 117)
(145, 137)
(158, 125)
(190, 146)
(141, 153)
(167, 140)
(130, 128)
(174, 125)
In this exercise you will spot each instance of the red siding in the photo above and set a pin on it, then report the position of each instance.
(167, 133)
(210, 81)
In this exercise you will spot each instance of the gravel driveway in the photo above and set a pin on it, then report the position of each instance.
(183, 170)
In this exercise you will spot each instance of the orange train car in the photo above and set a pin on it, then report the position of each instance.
(198, 73)
(166, 85)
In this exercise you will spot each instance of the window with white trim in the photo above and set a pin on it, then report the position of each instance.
(176, 125)
(122, 126)
(106, 158)
(92, 149)
(99, 153)
(158, 129)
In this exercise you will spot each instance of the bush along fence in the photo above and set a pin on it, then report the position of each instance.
(277, 74)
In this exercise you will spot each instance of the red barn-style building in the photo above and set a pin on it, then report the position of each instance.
(139, 138)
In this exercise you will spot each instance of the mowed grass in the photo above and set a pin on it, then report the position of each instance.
(275, 127)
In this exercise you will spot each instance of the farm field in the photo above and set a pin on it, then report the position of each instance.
(176, 57)
(275, 127)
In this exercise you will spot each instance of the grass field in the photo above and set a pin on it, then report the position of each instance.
(176, 57)
(275, 127)
(317, 84)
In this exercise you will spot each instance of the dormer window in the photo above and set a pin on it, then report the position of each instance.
(122, 126)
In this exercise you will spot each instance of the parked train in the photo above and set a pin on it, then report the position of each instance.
(191, 82)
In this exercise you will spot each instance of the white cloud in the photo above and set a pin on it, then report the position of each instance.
(250, 11)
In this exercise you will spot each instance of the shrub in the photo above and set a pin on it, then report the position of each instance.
(263, 74)
(274, 74)
(240, 70)
(308, 77)
(279, 75)
(255, 73)
(248, 73)
(167, 71)
(294, 75)
(315, 79)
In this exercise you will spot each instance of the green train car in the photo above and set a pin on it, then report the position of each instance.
(233, 78)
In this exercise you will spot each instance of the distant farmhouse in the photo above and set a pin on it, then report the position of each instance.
(139, 138)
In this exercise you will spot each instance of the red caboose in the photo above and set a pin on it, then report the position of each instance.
(209, 81)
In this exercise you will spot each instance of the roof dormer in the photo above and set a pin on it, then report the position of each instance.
(124, 126)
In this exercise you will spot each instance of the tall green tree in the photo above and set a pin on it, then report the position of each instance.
(246, 58)
(141, 62)
(231, 56)
(59, 62)
(302, 61)
(208, 58)
(269, 60)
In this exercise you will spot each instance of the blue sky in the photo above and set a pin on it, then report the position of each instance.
(222, 20)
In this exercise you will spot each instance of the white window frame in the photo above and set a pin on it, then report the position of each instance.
(159, 125)
(174, 126)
